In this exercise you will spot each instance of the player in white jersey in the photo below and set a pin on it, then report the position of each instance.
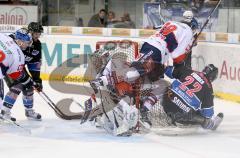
(173, 40)
(12, 62)
(187, 18)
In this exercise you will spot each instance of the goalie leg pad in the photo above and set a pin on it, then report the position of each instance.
(122, 119)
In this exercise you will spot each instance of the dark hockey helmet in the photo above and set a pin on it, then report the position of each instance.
(23, 35)
(211, 72)
(35, 27)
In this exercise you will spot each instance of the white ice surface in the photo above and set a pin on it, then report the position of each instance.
(53, 137)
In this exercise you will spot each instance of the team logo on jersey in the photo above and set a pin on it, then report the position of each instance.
(35, 52)
(27, 58)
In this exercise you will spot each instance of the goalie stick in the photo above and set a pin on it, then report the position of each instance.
(58, 109)
(62, 109)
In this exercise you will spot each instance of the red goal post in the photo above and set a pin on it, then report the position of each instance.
(131, 48)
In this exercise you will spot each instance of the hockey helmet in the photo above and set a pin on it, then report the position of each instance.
(35, 27)
(193, 23)
(188, 15)
(190, 20)
(23, 35)
(211, 72)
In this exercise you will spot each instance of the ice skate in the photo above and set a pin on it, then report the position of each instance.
(32, 115)
(6, 114)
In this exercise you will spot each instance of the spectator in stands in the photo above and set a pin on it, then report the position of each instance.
(127, 20)
(98, 20)
(111, 19)
(79, 22)
(197, 4)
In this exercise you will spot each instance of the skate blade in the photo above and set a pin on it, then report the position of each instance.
(33, 119)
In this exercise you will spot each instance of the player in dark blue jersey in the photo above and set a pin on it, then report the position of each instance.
(189, 99)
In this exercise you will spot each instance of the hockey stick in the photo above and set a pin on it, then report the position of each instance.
(16, 124)
(63, 110)
(204, 25)
(80, 105)
(104, 111)
(53, 106)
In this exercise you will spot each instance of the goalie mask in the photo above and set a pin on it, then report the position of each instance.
(211, 72)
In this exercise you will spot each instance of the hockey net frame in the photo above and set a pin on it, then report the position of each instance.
(129, 51)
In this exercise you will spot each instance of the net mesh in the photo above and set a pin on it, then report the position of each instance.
(126, 50)
(157, 115)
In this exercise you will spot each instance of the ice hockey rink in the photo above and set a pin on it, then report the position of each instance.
(61, 138)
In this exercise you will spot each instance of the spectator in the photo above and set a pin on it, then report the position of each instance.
(111, 18)
(197, 4)
(98, 20)
(127, 20)
(79, 22)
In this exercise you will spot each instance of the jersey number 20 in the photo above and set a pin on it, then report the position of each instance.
(168, 28)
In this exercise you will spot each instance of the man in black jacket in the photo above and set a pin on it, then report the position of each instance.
(98, 20)
(33, 63)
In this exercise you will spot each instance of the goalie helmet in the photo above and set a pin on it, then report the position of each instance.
(211, 72)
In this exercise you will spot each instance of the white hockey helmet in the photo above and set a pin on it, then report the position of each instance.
(188, 16)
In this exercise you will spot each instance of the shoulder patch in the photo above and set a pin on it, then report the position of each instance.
(35, 52)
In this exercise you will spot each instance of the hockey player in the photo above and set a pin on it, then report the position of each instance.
(33, 63)
(189, 99)
(121, 120)
(120, 114)
(187, 18)
(12, 63)
(174, 39)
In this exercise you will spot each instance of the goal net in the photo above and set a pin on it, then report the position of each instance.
(126, 50)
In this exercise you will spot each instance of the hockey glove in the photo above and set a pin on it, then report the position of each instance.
(10, 82)
(37, 84)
